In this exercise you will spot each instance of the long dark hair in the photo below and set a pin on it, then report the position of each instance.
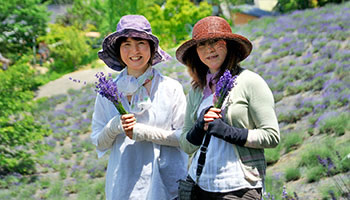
(198, 70)
(119, 41)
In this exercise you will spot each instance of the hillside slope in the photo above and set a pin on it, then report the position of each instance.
(304, 57)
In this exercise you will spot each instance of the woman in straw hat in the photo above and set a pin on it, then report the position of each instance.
(235, 166)
(145, 160)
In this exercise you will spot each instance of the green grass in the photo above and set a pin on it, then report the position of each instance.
(272, 155)
(274, 185)
(291, 141)
(337, 125)
(56, 192)
(315, 173)
(309, 155)
(292, 173)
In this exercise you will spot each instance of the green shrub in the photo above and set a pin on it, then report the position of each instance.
(22, 20)
(21, 135)
(313, 119)
(16, 88)
(91, 189)
(338, 124)
(315, 173)
(18, 141)
(278, 97)
(303, 111)
(324, 160)
(289, 118)
(274, 184)
(272, 155)
(291, 90)
(56, 191)
(316, 84)
(309, 155)
(27, 191)
(326, 189)
(292, 174)
(291, 5)
(69, 47)
(341, 159)
(269, 58)
(291, 140)
(173, 23)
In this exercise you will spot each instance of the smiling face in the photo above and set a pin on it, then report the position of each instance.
(212, 53)
(135, 53)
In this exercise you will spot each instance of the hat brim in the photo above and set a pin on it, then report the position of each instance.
(107, 53)
(244, 45)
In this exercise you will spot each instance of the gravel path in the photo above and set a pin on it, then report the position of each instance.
(63, 84)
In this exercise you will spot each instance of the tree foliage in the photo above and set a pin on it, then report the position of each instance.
(173, 23)
(22, 21)
(20, 134)
(69, 47)
(171, 20)
(104, 15)
(290, 5)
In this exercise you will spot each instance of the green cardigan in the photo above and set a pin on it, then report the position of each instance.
(250, 105)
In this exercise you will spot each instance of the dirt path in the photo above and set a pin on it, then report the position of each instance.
(63, 84)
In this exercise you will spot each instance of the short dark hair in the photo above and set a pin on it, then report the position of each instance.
(198, 70)
(119, 41)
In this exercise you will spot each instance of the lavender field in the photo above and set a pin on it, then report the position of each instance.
(305, 58)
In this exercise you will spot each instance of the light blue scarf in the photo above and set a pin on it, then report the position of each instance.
(130, 85)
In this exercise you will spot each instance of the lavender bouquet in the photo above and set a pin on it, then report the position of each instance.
(223, 87)
(108, 89)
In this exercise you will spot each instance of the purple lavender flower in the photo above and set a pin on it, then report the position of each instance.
(223, 87)
(284, 193)
(330, 164)
(322, 161)
(107, 88)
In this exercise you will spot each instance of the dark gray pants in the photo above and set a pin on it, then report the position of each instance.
(244, 194)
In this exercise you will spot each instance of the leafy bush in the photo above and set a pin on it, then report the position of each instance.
(310, 153)
(290, 5)
(20, 133)
(69, 48)
(104, 15)
(288, 117)
(337, 124)
(274, 184)
(292, 174)
(18, 140)
(22, 20)
(272, 155)
(324, 160)
(16, 88)
(327, 189)
(314, 173)
(291, 140)
(173, 23)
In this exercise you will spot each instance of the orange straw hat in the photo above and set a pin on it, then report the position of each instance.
(214, 27)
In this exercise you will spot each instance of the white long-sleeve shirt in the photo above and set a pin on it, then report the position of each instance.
(145, 170)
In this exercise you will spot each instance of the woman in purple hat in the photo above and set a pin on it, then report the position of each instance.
(234, 164)
(145, 159)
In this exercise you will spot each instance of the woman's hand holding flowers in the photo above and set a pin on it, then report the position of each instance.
(196, 134)
(211, 115)
(216, 126)
(128, 122)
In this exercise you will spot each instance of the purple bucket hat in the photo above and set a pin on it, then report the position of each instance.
(130, 26)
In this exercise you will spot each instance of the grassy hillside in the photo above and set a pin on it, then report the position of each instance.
(304, 57)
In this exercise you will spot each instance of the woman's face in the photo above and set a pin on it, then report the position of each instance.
(135, 54)
(212, 53)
